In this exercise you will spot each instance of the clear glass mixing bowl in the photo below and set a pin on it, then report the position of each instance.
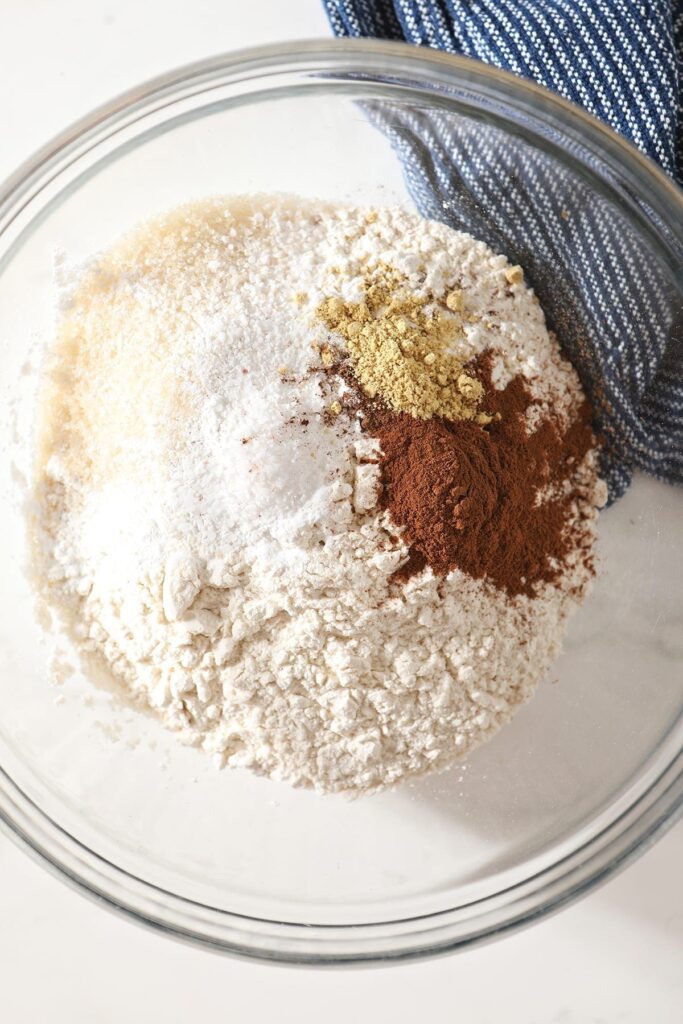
(585, 776)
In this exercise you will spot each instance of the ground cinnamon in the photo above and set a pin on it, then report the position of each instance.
(467, 496)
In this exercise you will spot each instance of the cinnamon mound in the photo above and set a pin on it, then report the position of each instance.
(494, 501)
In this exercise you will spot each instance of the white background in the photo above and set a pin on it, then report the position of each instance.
(614, 958)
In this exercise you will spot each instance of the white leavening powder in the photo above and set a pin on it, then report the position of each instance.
(209, 537)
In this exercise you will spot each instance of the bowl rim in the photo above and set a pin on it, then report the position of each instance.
(621, 154)
(554, 886)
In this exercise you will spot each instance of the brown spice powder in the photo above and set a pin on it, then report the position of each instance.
(467, 496)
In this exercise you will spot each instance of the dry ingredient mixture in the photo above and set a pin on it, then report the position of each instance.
(314, 484)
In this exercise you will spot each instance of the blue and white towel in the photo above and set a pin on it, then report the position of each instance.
(620, 60)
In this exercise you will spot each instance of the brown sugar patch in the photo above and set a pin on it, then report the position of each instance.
(490, 500)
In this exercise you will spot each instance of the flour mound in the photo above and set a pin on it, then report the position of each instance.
(209, 536)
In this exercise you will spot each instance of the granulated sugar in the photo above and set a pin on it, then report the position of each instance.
(208, 530)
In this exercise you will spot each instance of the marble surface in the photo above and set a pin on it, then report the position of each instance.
(614, 957)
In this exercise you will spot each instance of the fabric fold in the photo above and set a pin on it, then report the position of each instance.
(595, 275)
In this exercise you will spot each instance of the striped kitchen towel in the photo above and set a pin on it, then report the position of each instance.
(616, 318)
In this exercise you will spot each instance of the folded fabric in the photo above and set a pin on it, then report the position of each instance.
(614, 316)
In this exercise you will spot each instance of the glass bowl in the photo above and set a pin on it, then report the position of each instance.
(587, 774)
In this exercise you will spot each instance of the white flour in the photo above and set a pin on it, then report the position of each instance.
(228, 567)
